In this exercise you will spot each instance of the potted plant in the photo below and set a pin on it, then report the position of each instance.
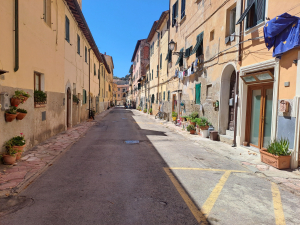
(194, 115)
(191, 129)
(174, 116)
(139, 108)
(145, 110)
(277, 154)
(16, 99)
(9, 157)
(203, 123)
(21, 114)
(18, 145)
(193, 121)
(76, 100)
(150, 111)
(22, 95)
(11, 114)
(40, 98)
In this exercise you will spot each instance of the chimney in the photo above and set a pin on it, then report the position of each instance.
(104, 53)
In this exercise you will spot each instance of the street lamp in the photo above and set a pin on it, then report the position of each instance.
(171, 45)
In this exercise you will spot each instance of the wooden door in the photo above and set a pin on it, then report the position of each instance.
(259, 115)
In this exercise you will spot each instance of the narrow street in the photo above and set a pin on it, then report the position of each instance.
(129, 170)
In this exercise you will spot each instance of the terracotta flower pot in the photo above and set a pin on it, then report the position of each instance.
(24, 99)
(15, 102)
(21, 116)
(279, 162)
(192, 131)
(10, 117)
(9, 159)
(19, 148)
(18, 155)
(204, 127)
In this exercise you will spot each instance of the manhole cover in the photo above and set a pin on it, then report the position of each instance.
(132, 142)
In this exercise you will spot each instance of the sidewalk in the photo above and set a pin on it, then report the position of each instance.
(35, 161)
(246, 157)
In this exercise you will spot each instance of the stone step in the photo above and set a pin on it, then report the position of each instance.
(226, 139)
(230, 133)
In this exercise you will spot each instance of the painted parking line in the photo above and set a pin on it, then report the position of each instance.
(278, 211)
(207, 169)
(201, 219)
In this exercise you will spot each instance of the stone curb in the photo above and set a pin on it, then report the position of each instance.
(27, 181)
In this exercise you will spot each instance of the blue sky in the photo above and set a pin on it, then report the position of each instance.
(117, 25)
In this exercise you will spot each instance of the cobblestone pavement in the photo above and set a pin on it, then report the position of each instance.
(35, 160)
(247, 157)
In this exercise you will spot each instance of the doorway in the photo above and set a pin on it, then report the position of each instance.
(259, 115)
(231, 103)
(69, 107)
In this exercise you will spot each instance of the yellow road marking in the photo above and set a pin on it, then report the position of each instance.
(209, 203)
(207, 169)
(194, 209)
(143, 123)
(278, 211)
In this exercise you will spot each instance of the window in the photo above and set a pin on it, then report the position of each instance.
(94, 69)
(157, 71)
(232, 21)
(212, 35)
(180, 58)
(188, 51)
(198, 94)
(200, 48)
(47, 12)
(182, 8)
(174, 13)
(152, 99)
(37, 82)
(78, 44)
(124, 89)
(98, 73)
(118, 89)
(158, 36)
(209, 91)
(164, 95)
(85, 54)
(169, 56)
(168, 96)
(160, 61)
(67, 29)
(84, 96)
(118, 95)
(255, 13)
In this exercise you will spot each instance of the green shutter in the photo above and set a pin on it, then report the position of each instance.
(160, 61)
(168, 96)
(164, 95)
(198, 93)
(84, 96)
(198, 44)
(180, 57)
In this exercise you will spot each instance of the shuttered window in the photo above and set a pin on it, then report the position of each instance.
(168, 96)
(174, 13)
(78, 44)
(182, 8)
(157, 71)
(84, 96)
(67, 29)
(164, 96)
(198, 93)
(94, 69)
(85, 54)
(160, 62)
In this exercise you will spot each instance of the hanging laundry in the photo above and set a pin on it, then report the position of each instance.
(189, 71)
(176, 73)
(183, 73)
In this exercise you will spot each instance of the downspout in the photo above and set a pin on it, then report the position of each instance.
(16, 35)
(158, 68)
(89, 81)
(237, 84)
(99, 87)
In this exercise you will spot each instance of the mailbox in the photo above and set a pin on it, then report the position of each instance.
(284, 106)
(5, 103)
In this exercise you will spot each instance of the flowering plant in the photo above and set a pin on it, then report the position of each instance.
(18, 140)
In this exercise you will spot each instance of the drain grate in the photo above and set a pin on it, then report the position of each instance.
(132, 142)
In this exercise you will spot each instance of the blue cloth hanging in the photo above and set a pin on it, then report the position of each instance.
(282, 33)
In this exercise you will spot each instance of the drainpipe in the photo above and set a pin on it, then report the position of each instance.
(237, 84)
(89, 81)
(16, 35)
(99, 87)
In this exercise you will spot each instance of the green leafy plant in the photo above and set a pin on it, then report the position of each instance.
(22, 93)
(21, 110)
(9, 148)
(202, 122)
(194, 120)
(139, 108)
(11, 110)
(279, 147)
(194, 115)
(40, 96)
(190, 127)
(150, 110)
(76, 99)
(145, 110)
(174, 114)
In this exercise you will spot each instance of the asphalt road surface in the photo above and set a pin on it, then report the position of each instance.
(162, 179)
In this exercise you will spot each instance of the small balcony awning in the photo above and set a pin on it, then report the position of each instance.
(198, 44)
(180, 57)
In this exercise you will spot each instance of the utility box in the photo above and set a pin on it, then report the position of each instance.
(5, 103)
